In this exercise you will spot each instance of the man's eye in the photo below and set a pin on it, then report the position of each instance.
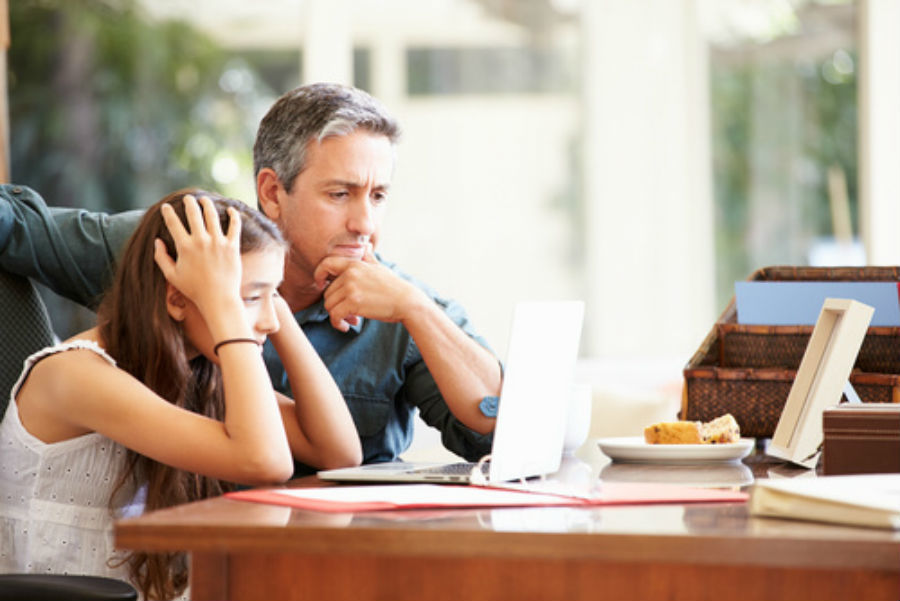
(252, 299)
(339, 195)
(379, 197)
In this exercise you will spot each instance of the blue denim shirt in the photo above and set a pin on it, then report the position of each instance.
(376, 365)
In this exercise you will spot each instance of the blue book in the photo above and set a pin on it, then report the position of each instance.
(799, 303)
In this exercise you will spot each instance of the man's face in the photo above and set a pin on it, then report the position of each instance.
(337, 203)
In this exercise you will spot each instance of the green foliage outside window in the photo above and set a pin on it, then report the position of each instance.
(109, 111)
(778, 126)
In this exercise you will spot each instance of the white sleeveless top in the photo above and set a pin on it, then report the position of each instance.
(55, 515)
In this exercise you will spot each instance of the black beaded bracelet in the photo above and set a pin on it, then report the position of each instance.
(230, 340)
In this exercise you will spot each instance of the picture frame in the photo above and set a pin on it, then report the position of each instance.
(820, 380)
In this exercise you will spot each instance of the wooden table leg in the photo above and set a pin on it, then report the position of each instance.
(209, 576)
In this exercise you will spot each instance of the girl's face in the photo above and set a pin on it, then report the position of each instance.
(261, 274)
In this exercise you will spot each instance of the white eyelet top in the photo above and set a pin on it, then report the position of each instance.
(55, 514)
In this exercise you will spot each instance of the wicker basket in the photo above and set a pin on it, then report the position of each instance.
(748, 370)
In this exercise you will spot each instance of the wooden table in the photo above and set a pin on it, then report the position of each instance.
(243, 550)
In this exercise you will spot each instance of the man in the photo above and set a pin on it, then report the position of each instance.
(323, 159)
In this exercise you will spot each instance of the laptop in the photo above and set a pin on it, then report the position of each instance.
(533, 411)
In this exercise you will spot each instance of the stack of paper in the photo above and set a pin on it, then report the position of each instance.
(862, 500)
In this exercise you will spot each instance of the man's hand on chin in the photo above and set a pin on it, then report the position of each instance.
(363, 288)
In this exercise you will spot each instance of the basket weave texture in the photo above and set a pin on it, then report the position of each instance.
(748, 370)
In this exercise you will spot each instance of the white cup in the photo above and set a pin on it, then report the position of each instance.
(578, 423)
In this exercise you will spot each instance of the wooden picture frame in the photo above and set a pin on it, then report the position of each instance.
(821, 377)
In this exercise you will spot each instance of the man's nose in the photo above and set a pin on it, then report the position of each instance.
(361, 218)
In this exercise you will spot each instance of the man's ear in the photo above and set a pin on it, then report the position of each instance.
(176, 303)
(268, 193)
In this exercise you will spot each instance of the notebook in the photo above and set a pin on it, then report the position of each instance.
(533, 411)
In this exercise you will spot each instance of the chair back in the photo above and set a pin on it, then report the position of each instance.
(24, 328)
(64, 587)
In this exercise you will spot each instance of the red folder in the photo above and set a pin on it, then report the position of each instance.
(428, 496)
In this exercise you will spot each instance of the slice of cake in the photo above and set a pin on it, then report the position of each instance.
(673, 433)
(723, 429)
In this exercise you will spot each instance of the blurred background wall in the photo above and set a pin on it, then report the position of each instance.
(641, 154)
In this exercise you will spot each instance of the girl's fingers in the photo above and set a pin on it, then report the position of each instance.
(194, 216)
(163, 259)
(234, 225)
(202, 218)
(213, 226)
(173, 223)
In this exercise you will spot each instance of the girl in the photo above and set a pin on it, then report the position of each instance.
(167, 400)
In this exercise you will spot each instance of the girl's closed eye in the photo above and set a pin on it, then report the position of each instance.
(256, 297)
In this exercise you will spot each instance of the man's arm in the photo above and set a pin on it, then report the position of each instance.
(419, 390)
(71, 251)
(465, 371)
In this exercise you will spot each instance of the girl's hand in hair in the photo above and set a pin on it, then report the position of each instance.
(208, 267)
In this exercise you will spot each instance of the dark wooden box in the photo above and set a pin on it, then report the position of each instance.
(861, 439)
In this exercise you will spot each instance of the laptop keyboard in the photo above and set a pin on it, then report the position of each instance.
(452, 469)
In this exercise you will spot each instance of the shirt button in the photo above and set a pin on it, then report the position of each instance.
(17, 190)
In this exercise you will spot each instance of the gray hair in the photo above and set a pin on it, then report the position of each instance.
(315, 112)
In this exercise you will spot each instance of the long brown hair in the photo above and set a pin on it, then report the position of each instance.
(146, 342)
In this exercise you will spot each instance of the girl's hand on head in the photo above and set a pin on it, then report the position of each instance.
(208, 266)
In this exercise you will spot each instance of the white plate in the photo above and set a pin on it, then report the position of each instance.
(703, 475)
(634, 448)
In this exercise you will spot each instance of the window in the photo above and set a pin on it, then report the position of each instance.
(784, 126)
